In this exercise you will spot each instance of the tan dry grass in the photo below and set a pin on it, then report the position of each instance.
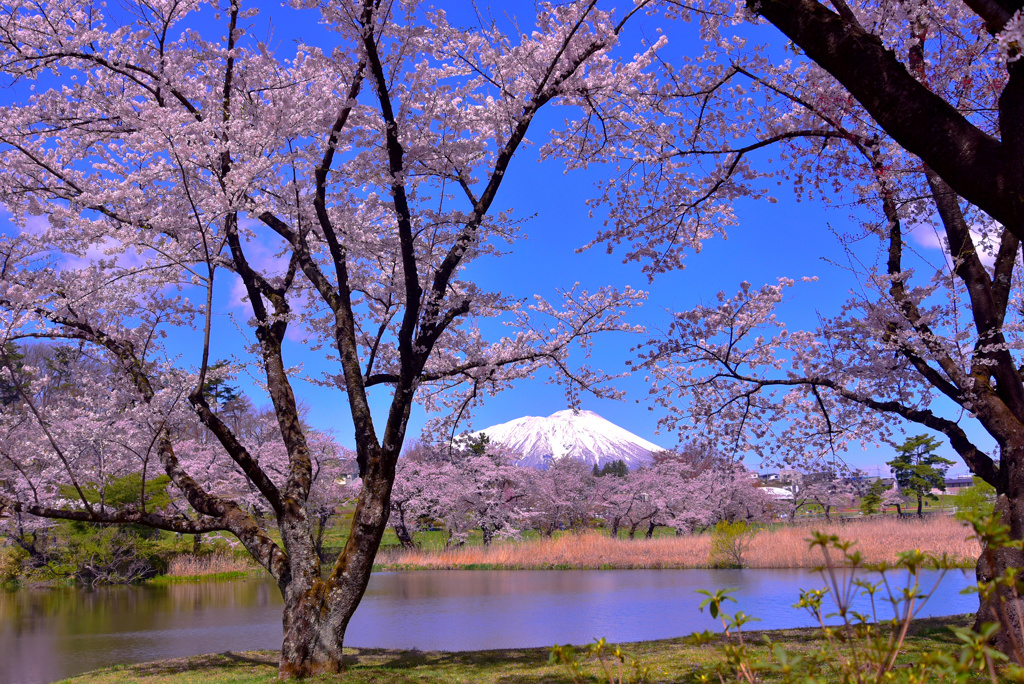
(189, 565)
(878, 540)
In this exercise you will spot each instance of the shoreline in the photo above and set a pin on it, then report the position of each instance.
(666, 657)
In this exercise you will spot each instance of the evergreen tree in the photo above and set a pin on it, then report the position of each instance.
(870, 502)
(616, 468)
(918, 470)
(11, 373)
(217, 387)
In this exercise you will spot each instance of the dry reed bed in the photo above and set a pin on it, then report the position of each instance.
(189, 565)
(878, 540)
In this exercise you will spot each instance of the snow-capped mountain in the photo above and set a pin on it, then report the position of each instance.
(578, 434)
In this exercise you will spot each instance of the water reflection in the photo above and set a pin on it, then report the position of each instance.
(48, 634)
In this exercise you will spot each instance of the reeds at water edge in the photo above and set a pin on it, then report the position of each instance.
(878, 539)
(189, 565)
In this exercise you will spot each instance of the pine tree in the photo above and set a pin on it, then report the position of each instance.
(918, 470)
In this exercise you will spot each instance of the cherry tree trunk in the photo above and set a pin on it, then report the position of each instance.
(1006, 607)
(313, 634)
(402, 530)
(317, 611)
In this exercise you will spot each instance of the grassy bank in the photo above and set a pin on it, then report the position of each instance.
(784, 546)
(216, 566)
(670, 661)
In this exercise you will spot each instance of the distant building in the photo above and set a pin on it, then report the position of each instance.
(792, 477)
(955, 485)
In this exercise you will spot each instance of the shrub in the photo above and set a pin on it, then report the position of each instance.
(729, 541)
(93, 554)
(10, 564)
(977, 501)
(870, 502)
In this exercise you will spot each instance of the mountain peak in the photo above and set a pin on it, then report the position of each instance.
(570, 433)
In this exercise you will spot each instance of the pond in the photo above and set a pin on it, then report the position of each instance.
(46, 634)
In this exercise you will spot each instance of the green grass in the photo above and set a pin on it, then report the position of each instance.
(217, 576)
(671, 661)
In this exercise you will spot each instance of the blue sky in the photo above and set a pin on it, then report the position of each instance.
(787, 238)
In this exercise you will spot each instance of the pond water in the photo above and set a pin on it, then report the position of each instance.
(46, 634)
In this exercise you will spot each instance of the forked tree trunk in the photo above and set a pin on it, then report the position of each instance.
(313, 637)
(317, 612)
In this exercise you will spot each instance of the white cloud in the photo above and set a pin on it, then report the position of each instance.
(985, 241)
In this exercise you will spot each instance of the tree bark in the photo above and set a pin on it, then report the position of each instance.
(317, 612)
(312, 641)
(1004, 606)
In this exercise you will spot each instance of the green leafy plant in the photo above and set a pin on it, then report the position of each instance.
(92, 554)
(615, 666)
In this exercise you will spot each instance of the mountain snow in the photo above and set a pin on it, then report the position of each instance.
(578, 434)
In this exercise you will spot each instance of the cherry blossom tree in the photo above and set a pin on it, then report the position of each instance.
(415, 495)
(726, 492)
(894, 497)
(684, 493)
(621, 499)
(913, 113)
(651, 489)
(829, 490)
(492, 492)
(155, 154)
(565, 496)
